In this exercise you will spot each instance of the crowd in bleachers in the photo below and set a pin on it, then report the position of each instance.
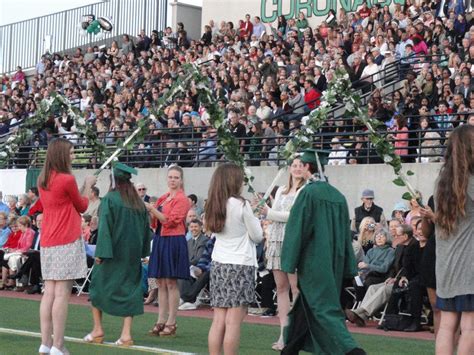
(268, 76)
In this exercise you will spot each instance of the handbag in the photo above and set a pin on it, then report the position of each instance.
(396, 322)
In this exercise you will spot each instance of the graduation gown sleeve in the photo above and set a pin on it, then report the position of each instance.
(104, 248)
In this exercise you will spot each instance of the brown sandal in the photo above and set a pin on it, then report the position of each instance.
(157, 329)
(169, 330)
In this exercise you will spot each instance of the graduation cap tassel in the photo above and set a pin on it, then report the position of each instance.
(320, 168)
(113, 178)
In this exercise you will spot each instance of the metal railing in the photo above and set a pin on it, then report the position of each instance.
(187, 146)
(22, 43)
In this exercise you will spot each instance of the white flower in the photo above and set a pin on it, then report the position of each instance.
(10, 139)
(309, 130)
(3, 154)
(387, 158)
(304, 120)
(305, 139)
(247, 172)
(346, 76)
(324, 104)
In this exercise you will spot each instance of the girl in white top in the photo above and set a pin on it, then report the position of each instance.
(278, 214)
(234, 260)
(370, 73)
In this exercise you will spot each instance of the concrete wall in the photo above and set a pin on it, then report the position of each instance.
(315, 10)
(189, 15)
(350, 180)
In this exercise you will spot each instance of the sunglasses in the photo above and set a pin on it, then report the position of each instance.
(142, 189)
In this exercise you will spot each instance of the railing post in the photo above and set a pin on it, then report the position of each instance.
(10, 50)
(64, 30)
(144, 14)
(37, 39)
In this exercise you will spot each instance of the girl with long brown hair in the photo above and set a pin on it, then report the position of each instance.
(63, 256)
(278, 214)
(454, 221)
(234, 258)
(124, 239)
(169, 256)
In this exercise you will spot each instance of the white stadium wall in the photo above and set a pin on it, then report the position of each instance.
(268, 10)
(351, 180)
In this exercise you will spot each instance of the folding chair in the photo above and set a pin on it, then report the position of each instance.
(204, 296)
(351, 291)
(80, 288)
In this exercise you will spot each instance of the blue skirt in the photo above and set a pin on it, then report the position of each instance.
(463, 303)
(169, 258)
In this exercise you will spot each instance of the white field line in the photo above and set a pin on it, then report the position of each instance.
(145, 349)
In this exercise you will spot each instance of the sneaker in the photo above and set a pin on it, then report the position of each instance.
(256, 311)
(187, 306)
(269, 313)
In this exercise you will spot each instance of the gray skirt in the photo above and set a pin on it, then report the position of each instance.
(232, 285)
(64, 262)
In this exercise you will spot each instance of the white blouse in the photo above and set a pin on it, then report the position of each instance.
(236, 244)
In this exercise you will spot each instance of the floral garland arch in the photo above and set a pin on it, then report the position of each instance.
(52, 106)
(339, 90)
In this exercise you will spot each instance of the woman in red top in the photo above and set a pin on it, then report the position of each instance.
(12, 243)
(15, 254)
(169, 256)
(63, 257)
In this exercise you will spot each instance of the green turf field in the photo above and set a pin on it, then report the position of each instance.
(192, 334)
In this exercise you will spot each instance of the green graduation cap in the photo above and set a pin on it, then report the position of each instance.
(309, 156)
(123, 171)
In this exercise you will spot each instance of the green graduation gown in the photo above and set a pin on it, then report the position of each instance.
(318, 246)
(123, 239)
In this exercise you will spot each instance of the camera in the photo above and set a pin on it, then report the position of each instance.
(371, 227)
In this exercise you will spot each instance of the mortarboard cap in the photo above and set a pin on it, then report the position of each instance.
(309, 156)
(123, 171)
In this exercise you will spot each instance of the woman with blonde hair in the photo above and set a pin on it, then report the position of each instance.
(63, 255)
(169, 256)
(454, 222)
(279, 213)
(234, 258)
(366, 235)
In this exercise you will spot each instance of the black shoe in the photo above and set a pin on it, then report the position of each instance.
(414, 327)
(354, 318)
(269, 313)
(357, 351)
(34, 289)
(16, 276)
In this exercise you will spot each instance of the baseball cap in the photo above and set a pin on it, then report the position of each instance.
(367, 193)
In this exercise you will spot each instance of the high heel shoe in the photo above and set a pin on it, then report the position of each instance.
(44, 350)
(152, 297)
(278, 346)
(169, 330)
(124, 343)
(93, 340)
(157, 328)
(149, 301)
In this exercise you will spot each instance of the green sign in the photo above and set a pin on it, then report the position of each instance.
(271, 9)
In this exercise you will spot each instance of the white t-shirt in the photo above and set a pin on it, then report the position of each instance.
(234, 245)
